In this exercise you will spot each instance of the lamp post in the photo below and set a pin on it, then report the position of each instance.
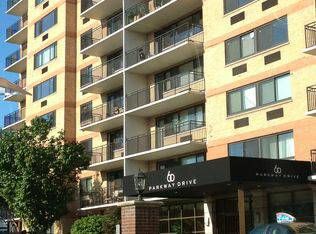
(140, 184)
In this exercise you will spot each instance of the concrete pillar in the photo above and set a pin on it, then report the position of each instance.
(140, 217)
(241, 211)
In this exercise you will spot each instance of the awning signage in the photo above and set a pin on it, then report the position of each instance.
(221, 171)
(284, 218)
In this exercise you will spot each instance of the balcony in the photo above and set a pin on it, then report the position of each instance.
(162, 97)
(149, 16)
(14, 120)
(14, 96)
(173, 47)
(103, 78)
(310, 39)
(100, 197)
(107, 157)
(99, 9)
(103, 40)
(17, 7)
(17, 32)
(311, 101)
(16, 62)
(175, 139)
(103, 117)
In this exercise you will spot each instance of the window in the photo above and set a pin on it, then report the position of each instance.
(182, 218)
(37, 2)
(231, 5)
(46, 55)
(44, 89)
(51, 117)
(259, 94)
(257, 40)
(85, 185)
(190, 159)
(46, 23)
(278, 146)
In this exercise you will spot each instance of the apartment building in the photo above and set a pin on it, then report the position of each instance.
(215, 103)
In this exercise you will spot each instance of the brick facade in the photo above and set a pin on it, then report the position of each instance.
(139, 217)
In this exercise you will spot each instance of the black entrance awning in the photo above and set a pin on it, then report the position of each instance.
(201, 179)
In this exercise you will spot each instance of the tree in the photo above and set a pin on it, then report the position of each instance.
(39, 173)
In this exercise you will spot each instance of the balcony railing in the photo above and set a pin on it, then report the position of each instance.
(311, 98)
(14, 57)
(112, 25)
(86, 4)
(101, 196)
(141, 9)
(162, 43)
(100, 72)
(107, 152)
(102, 112)
(310, 35)
(11, 3)
(20, 82)
(168, 135)
(16, 27)
(313, 161)
(14, 117)
(189, 81)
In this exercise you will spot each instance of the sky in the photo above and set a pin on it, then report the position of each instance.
(5, 50)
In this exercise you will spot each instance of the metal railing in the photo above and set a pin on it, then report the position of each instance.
(19, 82)
(310, 34)
(189, 81)
(168, 40)
(141, 9)
(168, 135)
(311, 98)
(93, 36)
(102, 112)
(14, 57)
(101, 196)
(100, 72)
(313, 161)
(11, 3)
(16, 27)
(14, 117)
(107, 152)
(86, 4)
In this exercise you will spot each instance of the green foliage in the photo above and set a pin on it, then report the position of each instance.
(39, 173)
(95, 224)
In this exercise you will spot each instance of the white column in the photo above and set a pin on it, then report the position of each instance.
(208, 224)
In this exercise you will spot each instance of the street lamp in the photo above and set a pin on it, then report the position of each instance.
(140, 184)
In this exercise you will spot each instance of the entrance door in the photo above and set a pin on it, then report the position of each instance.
(227, 218)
